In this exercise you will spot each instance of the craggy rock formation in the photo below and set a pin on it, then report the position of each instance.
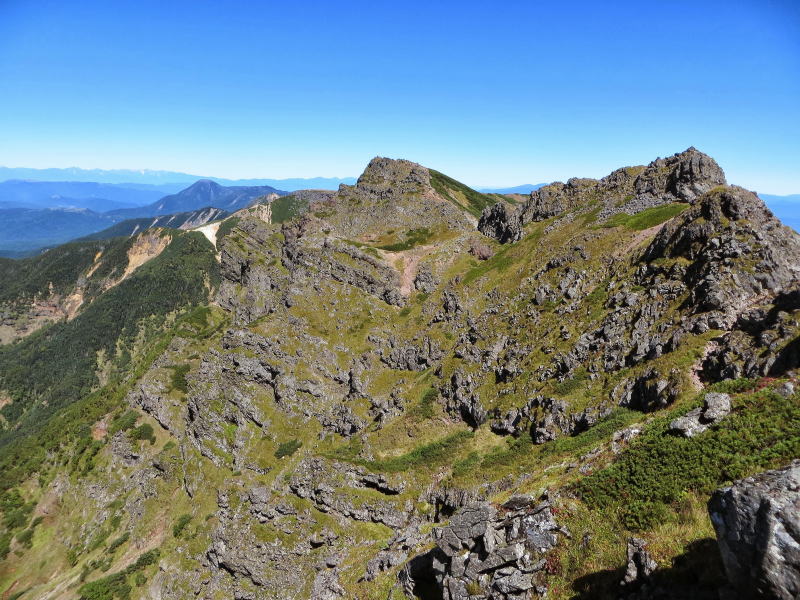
(679, 178)
(331, 423)
(489, 552)
(499, 222)
(757, 521)
(640, 564)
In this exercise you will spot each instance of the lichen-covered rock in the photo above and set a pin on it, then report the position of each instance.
(757, 521)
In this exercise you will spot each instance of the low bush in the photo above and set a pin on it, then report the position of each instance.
(288, 448)
(180, 525)
(143, 432)
(658, 468)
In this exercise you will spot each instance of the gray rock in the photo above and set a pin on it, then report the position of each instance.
(498, 549)
(716, 406)
(757, 521)
(500, 222)
(640, 564)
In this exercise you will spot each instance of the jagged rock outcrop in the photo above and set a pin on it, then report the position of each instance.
(738, 252)
(649, 391)
(412, 357)
(325, 484)
(462, 401)
(556, 420)
(757, 521)
(500, 222)
(682, 177)
(489, 552)
(640, 564)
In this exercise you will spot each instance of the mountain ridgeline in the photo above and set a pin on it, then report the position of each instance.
(201, 194)
(406, 388)
(32, 217)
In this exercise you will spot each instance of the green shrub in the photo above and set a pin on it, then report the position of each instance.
(414, 237)
(25, 538)
(178, 380)
(123, 422)
(112, 547)
(143, 432)
(5, 545)
(288, 448)
(658, 468)
(180, 525)
(573, 384)
(476, 201)
(428, 455)
(426, 407)
(649, 217)
(112, 587)
(226, 227)
(287, 208)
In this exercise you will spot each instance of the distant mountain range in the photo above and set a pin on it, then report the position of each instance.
(27, 226)
(786, 208)
(99, 197)
(198, 195)
(24, 231)
(162, 178)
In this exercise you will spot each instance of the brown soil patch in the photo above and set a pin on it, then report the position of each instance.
(100, 429)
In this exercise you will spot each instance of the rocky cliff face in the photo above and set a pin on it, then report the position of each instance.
(373, 409)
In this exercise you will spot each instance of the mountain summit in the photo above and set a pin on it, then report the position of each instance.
(201, 194)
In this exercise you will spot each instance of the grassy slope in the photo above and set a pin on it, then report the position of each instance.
(460, 194)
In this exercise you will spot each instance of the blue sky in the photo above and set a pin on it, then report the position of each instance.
(493, 94)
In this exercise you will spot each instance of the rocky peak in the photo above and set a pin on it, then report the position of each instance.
(388, 177)
(681, 177)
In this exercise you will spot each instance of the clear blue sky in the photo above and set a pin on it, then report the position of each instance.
(492, 93)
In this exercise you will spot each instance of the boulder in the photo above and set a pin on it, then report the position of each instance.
(757, 521)
(716, 406)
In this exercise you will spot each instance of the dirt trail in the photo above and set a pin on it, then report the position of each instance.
(640, 237)
(406, 263)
